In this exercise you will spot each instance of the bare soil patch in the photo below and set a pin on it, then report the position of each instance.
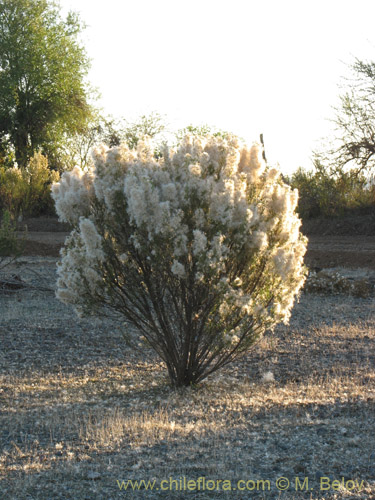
(356, 251)
(349, 225)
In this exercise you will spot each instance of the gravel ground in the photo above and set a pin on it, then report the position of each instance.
(79, 411)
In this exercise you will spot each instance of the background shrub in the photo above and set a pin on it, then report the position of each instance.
(326, 194)
(28, 191)
(10, 246)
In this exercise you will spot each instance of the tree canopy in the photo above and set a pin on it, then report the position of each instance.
(43, 94)
(353, 146)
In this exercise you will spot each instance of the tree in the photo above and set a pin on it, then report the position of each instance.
(77, 147)
(353, 147)
(76, 150)
(146, 126)
(200, 130)
(198, 249)
(42, 69)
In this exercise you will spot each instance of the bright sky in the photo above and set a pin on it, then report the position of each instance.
(245, 66)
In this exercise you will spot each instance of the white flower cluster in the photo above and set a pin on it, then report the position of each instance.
(73, 195)
(208, 214)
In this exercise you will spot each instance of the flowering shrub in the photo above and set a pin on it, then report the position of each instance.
(199, 249)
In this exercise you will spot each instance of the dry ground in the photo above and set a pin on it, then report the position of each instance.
(80, 413)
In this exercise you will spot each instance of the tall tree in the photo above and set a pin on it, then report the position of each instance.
(43, 94)
(353, 146)
(99, 130)
(112, 132)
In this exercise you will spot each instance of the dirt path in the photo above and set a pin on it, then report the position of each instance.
(341, 251)
(42, 243)
(323, 251)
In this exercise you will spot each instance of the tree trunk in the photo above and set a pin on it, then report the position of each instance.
(21, 149)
